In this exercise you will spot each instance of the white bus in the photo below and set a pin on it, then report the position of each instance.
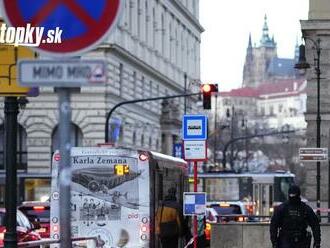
(115, 193)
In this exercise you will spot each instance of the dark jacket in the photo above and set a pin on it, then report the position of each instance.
(291, 220)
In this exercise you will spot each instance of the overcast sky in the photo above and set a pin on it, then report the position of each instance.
(227, 26)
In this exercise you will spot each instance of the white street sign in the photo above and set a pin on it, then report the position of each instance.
(195, 150)
(194, 203)
(67, 73)
(313, 154)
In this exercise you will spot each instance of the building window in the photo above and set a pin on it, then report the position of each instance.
(280, 108)
(115, 130)
(76, 137)
(171, 42)
(262, 111)
(154, 28)
(163, 143)
(130, 16)
(143, 95)
(134, 83)
(147, 22)
(163, 34)
(134, 138)
(121, 78)
(150, 142)
(176, 44)
(194, 9)
(157, 144)
(21, 158)
(142, 140)
(139, 16)
(271, 110)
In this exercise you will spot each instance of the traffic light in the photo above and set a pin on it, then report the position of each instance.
(207, 90)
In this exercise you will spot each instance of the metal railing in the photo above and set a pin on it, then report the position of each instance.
(90, 242)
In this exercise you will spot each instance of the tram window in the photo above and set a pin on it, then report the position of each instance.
(270, 195)
(282, 185)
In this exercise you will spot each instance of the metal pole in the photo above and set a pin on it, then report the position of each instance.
(185, 92)
(329, 192)
(107, 121)
(195, 217)
(11, 111)
(246, 146)
(232, 136)
(65, 166)
(318, 131)
(215, 129)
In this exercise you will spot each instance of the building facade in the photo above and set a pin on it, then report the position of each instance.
(317, 26)
(262, 63)
(154, 51)
(268, 106)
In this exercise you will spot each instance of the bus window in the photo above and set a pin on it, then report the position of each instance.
(160, 187)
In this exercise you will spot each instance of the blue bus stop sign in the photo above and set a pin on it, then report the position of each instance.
(194, 127)
(85, 23)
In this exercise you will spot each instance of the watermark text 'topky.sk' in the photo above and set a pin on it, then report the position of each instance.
(29, 35)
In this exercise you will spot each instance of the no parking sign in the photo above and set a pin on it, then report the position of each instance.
(85, 23)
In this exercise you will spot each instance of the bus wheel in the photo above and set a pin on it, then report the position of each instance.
(93, 186)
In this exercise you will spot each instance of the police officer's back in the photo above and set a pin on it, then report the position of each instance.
(290, 221)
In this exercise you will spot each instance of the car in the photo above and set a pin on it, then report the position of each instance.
(38, 213)
(229, 211)
(25, 229)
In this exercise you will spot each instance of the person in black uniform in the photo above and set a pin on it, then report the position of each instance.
(290, 221)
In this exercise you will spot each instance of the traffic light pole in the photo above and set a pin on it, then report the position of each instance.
(11, 112)
(215, 129)
(136, 101)
(185, 92)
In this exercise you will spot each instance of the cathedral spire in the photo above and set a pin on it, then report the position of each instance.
(265, 27)
(265, 40)
(250, 41)
(249, 50)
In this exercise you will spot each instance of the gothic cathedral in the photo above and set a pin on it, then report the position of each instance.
(262, 65)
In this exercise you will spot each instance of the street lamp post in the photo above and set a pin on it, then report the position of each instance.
(244, 125)
(232, 121)
(215, 130)
(302, 64)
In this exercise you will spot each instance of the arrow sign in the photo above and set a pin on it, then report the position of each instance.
(313, 154)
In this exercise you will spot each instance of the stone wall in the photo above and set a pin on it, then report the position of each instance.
(312, 31)
(249, 235)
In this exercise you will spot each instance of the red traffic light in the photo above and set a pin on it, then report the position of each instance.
(209, 88)
(206, 88)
